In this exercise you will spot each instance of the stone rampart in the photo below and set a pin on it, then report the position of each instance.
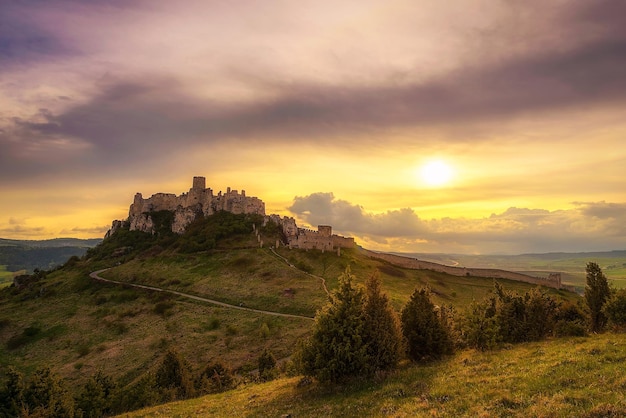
(188, 206)
(413, 263)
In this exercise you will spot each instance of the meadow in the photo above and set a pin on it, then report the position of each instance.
(581, 377)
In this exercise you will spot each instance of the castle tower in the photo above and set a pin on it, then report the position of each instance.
(199, 183)
(325, 230)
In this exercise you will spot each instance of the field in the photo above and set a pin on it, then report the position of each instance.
(6, 277)
(580, 377)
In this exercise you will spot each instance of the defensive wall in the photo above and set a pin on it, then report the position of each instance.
(554, 280)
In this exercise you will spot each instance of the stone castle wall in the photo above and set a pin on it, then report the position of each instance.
(187, 206)
(554, 280)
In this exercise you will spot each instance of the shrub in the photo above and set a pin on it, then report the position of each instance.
(426, 335)
(267, 366)
(47, 396)
(478, 328)
(215, 378)
(173, 377)
(336, 349)
(615, 309)
(382, 331)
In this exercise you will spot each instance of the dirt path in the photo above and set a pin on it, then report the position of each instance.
(96, 276)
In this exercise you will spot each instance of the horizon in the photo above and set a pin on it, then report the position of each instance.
(484, 128)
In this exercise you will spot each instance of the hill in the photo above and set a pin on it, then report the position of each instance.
(573, 377)
(571, 266)
(76, 325)
(24, 256)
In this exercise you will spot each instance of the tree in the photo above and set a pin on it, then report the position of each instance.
(425, 334)
(95, 400)
(173, 377)
(46, 395)
(267, 365)
(13, 396)
(615, 309)
(336, 350)
(597, 292)
(215, 378)
(382, 331)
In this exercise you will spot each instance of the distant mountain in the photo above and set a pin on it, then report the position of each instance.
(17, 255)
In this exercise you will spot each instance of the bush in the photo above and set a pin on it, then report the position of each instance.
(173, 377)
(615, 309)
(215, 378)
(267, 366)
(336, 349)
(382, 330)
(478, 328)
(426, 335)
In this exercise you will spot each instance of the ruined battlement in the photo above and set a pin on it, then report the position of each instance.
(187, 206)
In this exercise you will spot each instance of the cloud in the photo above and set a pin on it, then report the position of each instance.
(149, 114)
(96, 231)
(590, 226)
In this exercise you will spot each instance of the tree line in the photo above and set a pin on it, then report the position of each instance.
(358, 333)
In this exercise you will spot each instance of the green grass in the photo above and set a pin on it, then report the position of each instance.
(125, 331)
(580, 377)
(6, 277)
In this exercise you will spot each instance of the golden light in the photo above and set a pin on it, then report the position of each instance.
(436, 173)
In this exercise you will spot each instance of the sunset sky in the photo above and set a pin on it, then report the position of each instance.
(328, 112)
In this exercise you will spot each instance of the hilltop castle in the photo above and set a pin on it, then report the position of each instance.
(200, 200)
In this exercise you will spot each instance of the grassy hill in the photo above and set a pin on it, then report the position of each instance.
(570, 265)
(77, 326)
(574, 377)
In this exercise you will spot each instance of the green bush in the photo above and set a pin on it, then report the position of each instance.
(615, 309)
(336, 350)
(426, 335)
(215, 378)
(267, 366)
(173, 377)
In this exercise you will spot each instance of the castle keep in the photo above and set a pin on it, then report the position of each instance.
(201, 200)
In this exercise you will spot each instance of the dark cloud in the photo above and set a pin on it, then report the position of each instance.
(150, 116)
(22, 39)
(593, 226)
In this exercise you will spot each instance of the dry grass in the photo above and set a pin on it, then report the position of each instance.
(580, 377)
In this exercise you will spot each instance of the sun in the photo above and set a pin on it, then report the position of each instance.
(436, 173)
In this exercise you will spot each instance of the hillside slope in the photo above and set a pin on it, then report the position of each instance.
(581, 377)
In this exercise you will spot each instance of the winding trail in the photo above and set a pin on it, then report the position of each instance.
(96, 276)
(321, 279)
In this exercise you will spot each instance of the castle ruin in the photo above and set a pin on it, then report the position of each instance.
(187, 206)
(200, 200)
(322, 239)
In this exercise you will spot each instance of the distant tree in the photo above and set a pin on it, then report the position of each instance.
(597, 292)
(336, 350)
(173, 377)
(382, 331)
(267, 365)
(426, 336)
